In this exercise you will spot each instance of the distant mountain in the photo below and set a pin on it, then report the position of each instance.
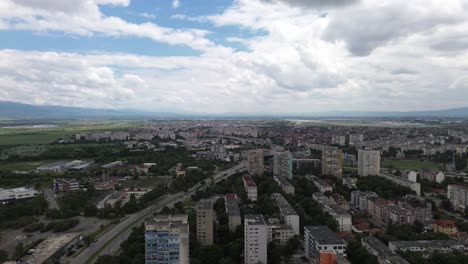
(27, 111)
(15, 110)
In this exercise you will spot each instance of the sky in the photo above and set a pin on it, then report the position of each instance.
(243, 56)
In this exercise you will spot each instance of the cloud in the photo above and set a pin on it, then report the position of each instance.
(147, 15)
(175, 4)
(315, 3)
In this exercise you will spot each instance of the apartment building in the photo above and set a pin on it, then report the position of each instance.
(342, 217)
(332, 162)
(447, 227)
(250, 188)
(282, 164)
(205, 220)
(287, 187)
(318, 239)
(368, 162)
(167, 240)
(255, 162)
(359, 199)
(288, 214)
(232, 209)
(255, 239)
(458, 196)
(381, 251)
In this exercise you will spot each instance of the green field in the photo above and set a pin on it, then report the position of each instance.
(36, 136)
(409, 164)
(21, 166)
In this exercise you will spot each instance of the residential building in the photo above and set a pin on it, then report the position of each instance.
(421, 210)
(398, 215)
(303, 166)
(255, 239)
(332, 162)
(282, 164)
(53, 248)
(427, 247)
(287, 187)
(434, 176)
(447, 227)
(7, 195)
(342, 217)
(250, 188)
(233, 211)
(338, 140)
(279, 233)
(167, 240)
(381, 251)
(288, 214)
(320, 238)
(458, 196)
(359, 199)
(416, 187)
(66, 185)
(323, 185)
(356, 139)
(322, 199)
(205, 220)
(255, 160)
(368, 162)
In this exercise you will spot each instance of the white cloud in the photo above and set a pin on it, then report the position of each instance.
(175, 4)
(147, 15)
(369, 55)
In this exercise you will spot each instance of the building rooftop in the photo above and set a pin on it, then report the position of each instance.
(428, 243)
(323, 235)
(232, 208)
(254, 219)
(49, 247)
(249, 181)
(283, 205)
(205, 204)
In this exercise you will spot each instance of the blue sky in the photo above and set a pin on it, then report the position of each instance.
(263, 56)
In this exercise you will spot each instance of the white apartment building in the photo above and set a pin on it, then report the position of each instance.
(288, 214)
(255, 239)
(458, 196)
(368, 162)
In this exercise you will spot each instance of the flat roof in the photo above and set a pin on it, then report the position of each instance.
(205, 204)
(323, 235)
(49, 247)
(283, 205)
(254, 219)
(249, 181)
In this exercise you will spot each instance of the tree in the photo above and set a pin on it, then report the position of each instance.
(418, 226)
(446, 204)
(3, 256)
(19, 251)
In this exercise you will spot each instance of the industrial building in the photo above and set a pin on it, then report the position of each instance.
(7, 195)
(53, 248)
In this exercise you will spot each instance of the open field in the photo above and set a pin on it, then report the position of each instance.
(21, 166)
(354, 123)
(36, 136)
(409, 164)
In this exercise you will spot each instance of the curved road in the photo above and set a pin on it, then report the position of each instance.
(109, 242)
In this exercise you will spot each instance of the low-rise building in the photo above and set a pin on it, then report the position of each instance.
(287, 187)
(53, 248)
(416, 187)
(342, 217)
(427, 247)
(323, 186)
(381, 251)
(8, 195)
(359, 199)
(447, 227)
(288, 214)
(66, 185)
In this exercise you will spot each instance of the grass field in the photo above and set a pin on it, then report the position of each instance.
(36, 136)
(409, 164)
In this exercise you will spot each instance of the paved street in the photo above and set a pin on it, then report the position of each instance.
(49, 193)
(109, 245)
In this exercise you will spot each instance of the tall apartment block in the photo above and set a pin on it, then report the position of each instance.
(255, 239)
(167, 240)
(332, 162)
(233, 211)
(255, 162)
(282, 164)
(288, 214)
(250, 188)
(355, 139)
(368, 162)
(205, 220)
(458, 196)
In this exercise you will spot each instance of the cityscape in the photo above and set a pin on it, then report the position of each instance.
(233, 132)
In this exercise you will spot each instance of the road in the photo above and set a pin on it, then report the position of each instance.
(109, 242)
(51, 199)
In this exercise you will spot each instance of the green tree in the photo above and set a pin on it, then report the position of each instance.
(3, 256)
(19, 250)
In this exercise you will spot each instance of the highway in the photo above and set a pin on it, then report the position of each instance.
(109, 242)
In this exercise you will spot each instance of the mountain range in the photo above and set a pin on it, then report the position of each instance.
(14, 110)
